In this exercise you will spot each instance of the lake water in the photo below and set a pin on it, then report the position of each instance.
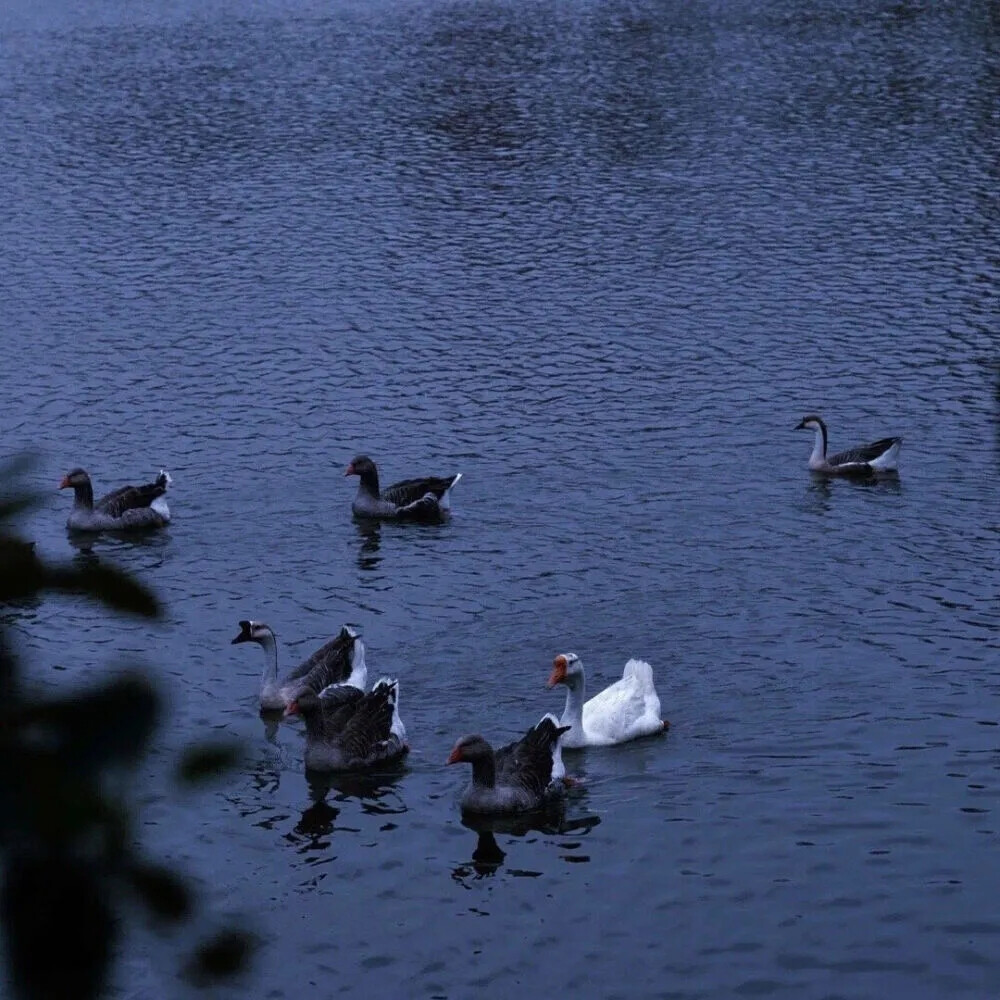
(600, 257)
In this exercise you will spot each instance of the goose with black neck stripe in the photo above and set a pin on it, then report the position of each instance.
(864, 460)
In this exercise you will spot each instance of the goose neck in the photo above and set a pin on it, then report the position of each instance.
(819, 445)
(270, 646)
(83, 496)
(359, 670)
(369, 482)
(484, 770)
(573, 712)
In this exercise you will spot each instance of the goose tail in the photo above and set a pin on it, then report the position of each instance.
(889, 459)
(391, 686)
(641, 672)
(445, 502)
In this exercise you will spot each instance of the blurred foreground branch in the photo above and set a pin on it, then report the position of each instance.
(71, 864)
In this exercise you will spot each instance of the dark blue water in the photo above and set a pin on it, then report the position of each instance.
(601, 258)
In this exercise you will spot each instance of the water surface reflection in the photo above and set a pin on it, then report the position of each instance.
(553, 824)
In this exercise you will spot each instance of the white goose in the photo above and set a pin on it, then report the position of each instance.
(623, 711)
(864, 460)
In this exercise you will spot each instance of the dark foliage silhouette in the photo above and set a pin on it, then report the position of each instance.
(72, 868)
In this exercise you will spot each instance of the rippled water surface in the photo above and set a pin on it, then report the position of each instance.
(601, 257)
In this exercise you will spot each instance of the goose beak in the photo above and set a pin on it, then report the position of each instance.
(349, 471)
(64, 483)
(455, 756)
(800, 426)
(558, 674)
(240, 638)
(292, 709)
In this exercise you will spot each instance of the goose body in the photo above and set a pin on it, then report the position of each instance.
(623, 711)
(421, 499)
(341, 661)
(524, 775)
(129, 508)
(864, 460)
(347, 730)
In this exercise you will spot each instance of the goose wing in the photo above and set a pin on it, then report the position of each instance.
(339, 703)
(115, 503)
(410, 491)
(366, 736)
(527, 762)
(863, 453)
(330, 664)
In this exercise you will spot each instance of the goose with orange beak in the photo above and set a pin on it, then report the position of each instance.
(128, 508)
(522, 776)
(623, 711)
(424, 499)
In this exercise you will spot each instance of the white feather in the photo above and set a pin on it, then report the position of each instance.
(623, 711)
(397, 727)
(558, 767)
(445, 502)
(888, 460)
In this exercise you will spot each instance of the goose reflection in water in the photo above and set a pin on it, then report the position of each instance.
(820, 490)
(371, 541)
(315, 826)
(488, 856)
(377, 793)
(87, 544)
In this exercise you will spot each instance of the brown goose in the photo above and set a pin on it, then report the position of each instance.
(425, 499)
(864, 460)
(339, 661)
(347, 730)
(126, 509)
(524, 775)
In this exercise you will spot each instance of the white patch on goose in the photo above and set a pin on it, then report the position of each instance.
(359, 669)
(396, 728)
(558, 767)
(445, 502)
(889, 459)
(161, 508)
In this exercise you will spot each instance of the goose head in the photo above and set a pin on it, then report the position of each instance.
(360, 466)
(305, 705)
(811, 423)
(251, 631)
(75, 479)
(566, 668)
(470, 749)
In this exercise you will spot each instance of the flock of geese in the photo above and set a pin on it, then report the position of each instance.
(350, 728)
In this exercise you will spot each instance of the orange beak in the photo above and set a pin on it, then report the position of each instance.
(349, 471)
(293, 709)
(64, 483)
(455, 756)
(558, 674)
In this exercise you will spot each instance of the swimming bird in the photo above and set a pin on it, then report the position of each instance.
(126, 509)
(347, 730)
(339, 661)
(864, 460)
(524, 775)
(423, 499)
(623, 711)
